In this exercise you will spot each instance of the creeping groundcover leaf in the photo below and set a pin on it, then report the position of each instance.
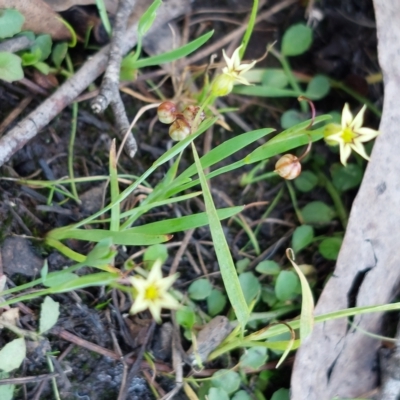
(329, 248)
(10, 22)
(317, 213)
(200, 289)
(296, 40)
(6, 391)
(12, 355)
(10, 67)
(287, 285)
(226, 380)
(302, 237)
(49, 314)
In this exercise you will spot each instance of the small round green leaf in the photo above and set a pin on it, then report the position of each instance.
(7, 392)
(11, 22)
(60, 50)
(12, 355)
(155, 252)
(318, 87)
(345, 178)
(242, 264)
(250, 285)
(10, 67)
(317, 213)
(200, 289)
(241, 395)
(286, 286)
(217, 394)
(268, 296)
(281, 394)
(216, 302)
(302, 237)
(291, 118)
(306, 181)
(329, 248)
(227, 380)
(274, 77)
(43, 43)
(254, 358)
(49, 313)
(296, 40)
(268, 267)
(186, 317)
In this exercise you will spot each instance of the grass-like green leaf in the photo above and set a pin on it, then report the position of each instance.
(172, 55)
(115, 210)
(307, 304)
(226, 264)
(296, 136)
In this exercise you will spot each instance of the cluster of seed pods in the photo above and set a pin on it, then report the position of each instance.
(181, 122)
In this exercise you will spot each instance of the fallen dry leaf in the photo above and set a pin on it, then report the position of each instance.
(39, 18)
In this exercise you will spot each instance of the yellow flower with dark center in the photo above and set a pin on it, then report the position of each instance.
(350, 135)
(152, 293)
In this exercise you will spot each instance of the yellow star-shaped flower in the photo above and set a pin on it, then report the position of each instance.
(152, 293)
(232, 73)
(351, 135)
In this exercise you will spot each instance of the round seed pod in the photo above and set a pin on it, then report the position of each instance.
(167, 112)
(190, 113)
(180, 129)
(288, 167)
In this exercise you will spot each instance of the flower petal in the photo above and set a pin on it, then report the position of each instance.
(366, 134)
(359, 148)
(138, 306)
(242, 68)
(236, 58)
(155, 309)
(358, 120)
(347, 116)
(228, 61)
(155, 273)
(170, 302)
(243, 81)
(165, 283)
(336, 137)
(138, 283)
(345, 151)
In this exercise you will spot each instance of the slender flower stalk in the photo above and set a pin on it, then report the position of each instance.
(350, 135)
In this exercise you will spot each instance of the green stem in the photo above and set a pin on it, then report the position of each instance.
(291, 78)
(293, 197)
(72, 137)
(267, 212)
(250, 28)
(335, 196)
(357, 96)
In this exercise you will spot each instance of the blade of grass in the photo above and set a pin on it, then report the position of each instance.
(307, 304)
(227, 266)
(115, 210)
(173, 55)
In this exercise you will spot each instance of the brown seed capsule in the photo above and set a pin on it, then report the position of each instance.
(190, 113)
(180, 129)
(288, 166)
(167, 112)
